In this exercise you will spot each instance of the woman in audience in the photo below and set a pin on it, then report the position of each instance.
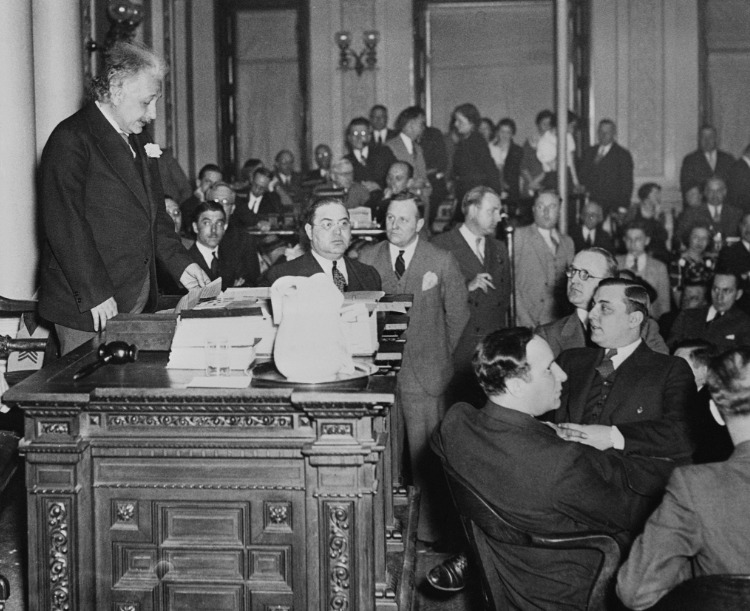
(472, 162)
(507, 156)
(648, 211)
(696, 264)
(487, 129)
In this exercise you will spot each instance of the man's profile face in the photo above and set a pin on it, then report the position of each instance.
(259, 185)
(592, 215)
(209, 179)
(397, 178)
(174, 212)
(379, 118)
(486, 215)
(343, 174)
(724, 292)
(610, 324)
(402, 223)
(580, 292)
(546, 210)
(323, 157)
(285, 163)
(330, 233)
(707, 140)
(606, 134)
(358, 136)
(543, 382)
(715, 191)
(210, 227)
(133, 102)
(636, 241)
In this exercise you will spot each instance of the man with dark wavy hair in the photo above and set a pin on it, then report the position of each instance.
(702, 526)
(102, 205)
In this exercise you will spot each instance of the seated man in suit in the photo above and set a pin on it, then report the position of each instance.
(370, 163)
(589, 267)
(536, 480)
(644, 265)
(322, 173)
(329, 230)
(702, 526)
(714, 212)
(628, 401)
(590, 232)
(722, 323)
(288, 182)
(261, 204)
(207, 175)
(736, 259)
(343, 186)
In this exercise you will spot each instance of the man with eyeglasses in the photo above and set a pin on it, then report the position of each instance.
(589, 267)
(622, 397)
(409, 264)
(329, 230)
(370, 163)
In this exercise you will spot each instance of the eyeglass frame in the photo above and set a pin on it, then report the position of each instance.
(571, 271)
(342, 224)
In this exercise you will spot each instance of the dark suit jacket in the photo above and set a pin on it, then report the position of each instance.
(568, 332)
(647, 403)
(361, 277)
(238, 259)
(541, 483)
(738, 186)
(695, 170)
(270, 204)
(609, 182)
(473, 166)
(736, 259)
(728, 224)
(727, 331)
(601, 239)
(104, 221)
(701, 528)
(511, 173)
(379, 159)
(488, 310)
(436, 319)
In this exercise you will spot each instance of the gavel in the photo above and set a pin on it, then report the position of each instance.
(116, 353)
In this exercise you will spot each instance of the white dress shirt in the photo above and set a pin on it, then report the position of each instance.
(327, 266)
(207, 253)
(408, 253)
(475, 242)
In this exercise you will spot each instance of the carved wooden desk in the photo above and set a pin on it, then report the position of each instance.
(144, 495)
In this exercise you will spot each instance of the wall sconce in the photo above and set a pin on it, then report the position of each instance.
(344, 41)
(124, 17)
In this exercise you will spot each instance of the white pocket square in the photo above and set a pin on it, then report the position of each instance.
(429, 280)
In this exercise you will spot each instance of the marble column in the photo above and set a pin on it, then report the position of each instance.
(18, 248)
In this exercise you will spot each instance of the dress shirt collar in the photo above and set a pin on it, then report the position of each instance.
(253, 202)
(711, 158)
(624, 352)
(746, 244)
(715, 211)
(327, 266)
(471, 239)
(408, 252)
(603, 150)
(583, 316)
(362, 154)
(207, 253)
(588, 233)
(380, 135)
(408, 143)
(641, 261)
(116, 127)
(711, 314)
(746, 159)
(550, 236)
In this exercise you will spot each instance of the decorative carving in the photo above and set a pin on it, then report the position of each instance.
(198, 486)
(201, 421)
(278, 513)
(278, 608)
(339, 562)
(55, 428)
(329, 428)
(127, 606)
(125, 511)
(59, 562)
(94, 420)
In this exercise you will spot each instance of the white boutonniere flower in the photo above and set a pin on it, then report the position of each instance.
(153, 150)
(429, 280)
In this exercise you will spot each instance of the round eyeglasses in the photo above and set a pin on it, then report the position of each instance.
(582, 273)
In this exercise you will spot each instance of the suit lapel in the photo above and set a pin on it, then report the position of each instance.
(463, 252)
(580, 386)
(540, 247)
(632, 369)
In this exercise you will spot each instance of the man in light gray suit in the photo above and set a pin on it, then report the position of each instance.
(542, 255)
(702, 526)
(409, 264)
(410, 125)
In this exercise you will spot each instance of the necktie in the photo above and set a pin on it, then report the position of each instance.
(599, 154)
(634, 267)
(606, 368)
(400, 266)
(214, 267)
(338, 278)
(555, 242)
(589, 239)
(480, 252)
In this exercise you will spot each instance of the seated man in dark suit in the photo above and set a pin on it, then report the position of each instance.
(261, 204)
(288, 181)
(207, 175)
(722, 323)
(322, 173)
(736, 259)
(702, 526)
(330, 232)
(629, 401)
(370, 162)
(590, 233)
(538, 481)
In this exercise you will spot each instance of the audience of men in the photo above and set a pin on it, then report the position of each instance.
(738, 182)
(485, 266)
(647, 267)
(409, 264)
(208, 175)
(370, 163)
(590, 232)
(381, 133)
(702, 526)
(708, 161)
(722, 323)
(542, 255)
(342, 185)
(261, 204)
(589, 267)
(535, 479)
(329, 230)
(607, 170)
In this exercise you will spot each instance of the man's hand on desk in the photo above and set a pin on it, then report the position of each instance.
(194, 277)
(595, 435)
(103, 312)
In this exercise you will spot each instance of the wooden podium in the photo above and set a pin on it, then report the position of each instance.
(145, 495)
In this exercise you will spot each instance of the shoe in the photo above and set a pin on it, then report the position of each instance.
(449, 575)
